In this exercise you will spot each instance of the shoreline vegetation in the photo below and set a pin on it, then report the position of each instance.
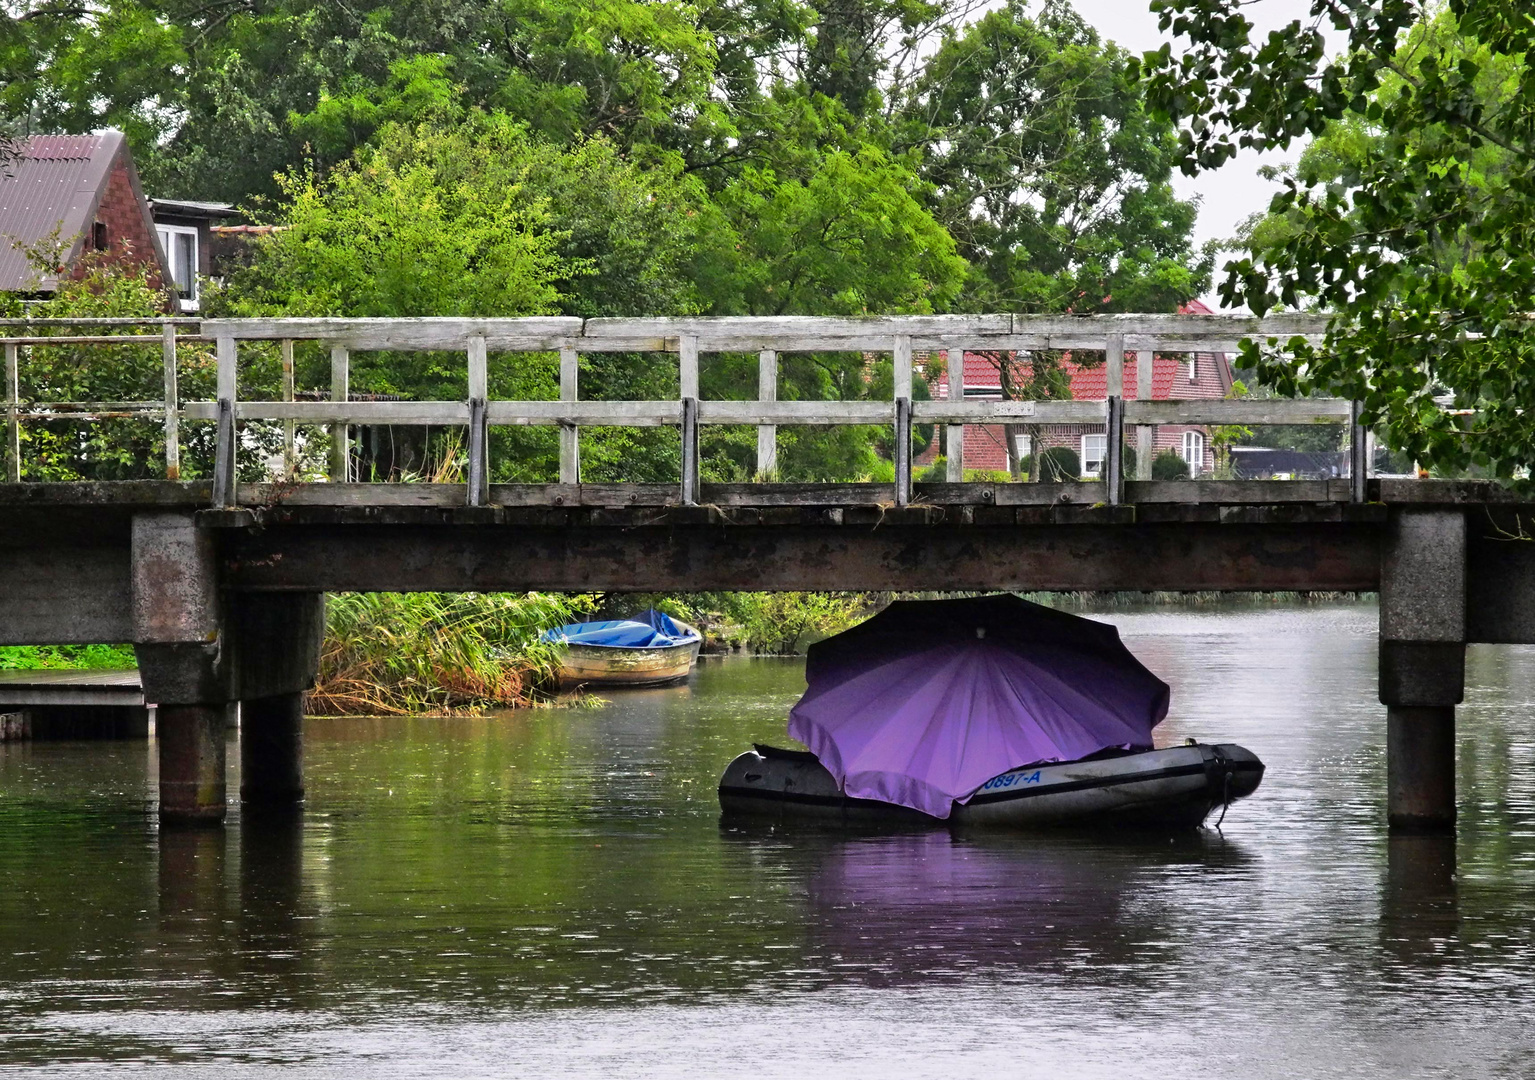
(394, 654)
(459, 654)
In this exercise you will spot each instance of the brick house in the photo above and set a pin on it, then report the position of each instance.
(1174, 377)
(84, 190)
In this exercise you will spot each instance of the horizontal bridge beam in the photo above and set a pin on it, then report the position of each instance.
(1342, 557)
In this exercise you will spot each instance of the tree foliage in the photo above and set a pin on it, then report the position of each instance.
(630, 157)
(1049, 170)
(1409, 219)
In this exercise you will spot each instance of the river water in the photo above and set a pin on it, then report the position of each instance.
(552, 893)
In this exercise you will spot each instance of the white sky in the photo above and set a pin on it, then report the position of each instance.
(1234, 191)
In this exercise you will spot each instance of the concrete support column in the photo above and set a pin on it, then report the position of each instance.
(1420, 765)
(191, 745)
(272, 752)
(1422, 663)
(184, 661)
(278, 638)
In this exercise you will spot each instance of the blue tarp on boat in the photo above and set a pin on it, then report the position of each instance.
(649, 630)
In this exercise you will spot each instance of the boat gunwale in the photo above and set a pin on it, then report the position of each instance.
(992, 798)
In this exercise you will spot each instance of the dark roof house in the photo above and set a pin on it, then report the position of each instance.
(84, 190)
(186, 232)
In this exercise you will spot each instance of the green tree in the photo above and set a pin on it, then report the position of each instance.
(217, 98)
(1410, 224)
(1049, 171)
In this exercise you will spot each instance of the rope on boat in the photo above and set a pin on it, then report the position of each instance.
(1226, 770)
(1225, 800)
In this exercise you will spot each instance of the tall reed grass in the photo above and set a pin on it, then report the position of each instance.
(454, 653)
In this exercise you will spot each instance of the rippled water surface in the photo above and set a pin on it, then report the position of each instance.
(552, 893)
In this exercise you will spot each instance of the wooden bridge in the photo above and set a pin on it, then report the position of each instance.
(220, 584)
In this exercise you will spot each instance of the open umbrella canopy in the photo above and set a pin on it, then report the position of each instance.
(926, 701)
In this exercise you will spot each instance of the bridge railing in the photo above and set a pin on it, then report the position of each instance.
(1114, 336)
(20, 334)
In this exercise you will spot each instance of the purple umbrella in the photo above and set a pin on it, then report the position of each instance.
(926, 701)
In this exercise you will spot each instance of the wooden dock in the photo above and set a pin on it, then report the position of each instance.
(19, 689)
(72, 705)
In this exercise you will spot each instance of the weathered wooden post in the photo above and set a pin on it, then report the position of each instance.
(172, 403)
(767, 434)
(954, 434)
(479, 450)
(340, 434)
(226, 446)
(902, 452)
(687, 358)
(1145, 434)
(570, 435)
(1422, 662)
(1114, 424)
(12, 407)
(1358, 454)
(289, 393)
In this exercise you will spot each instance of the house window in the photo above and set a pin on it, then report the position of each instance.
(1023, 445)
(1193, 367)
(180, 244)
(1093, 447)
(99, 236)
(1194, 451)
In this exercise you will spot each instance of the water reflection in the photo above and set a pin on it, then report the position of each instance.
(907, 909)
(1419, 908)
(273, 945)
(492, 895)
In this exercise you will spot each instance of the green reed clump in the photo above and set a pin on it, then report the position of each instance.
(456, 653)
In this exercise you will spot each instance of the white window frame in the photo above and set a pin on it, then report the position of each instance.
(1193, 367)
(1023, 446)
(1194, 451)
(165, 234)
(1102, 444)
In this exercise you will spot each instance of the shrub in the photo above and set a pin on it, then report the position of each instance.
(74, 657)
(936, 473)
(1058, 464)
(1169, 465)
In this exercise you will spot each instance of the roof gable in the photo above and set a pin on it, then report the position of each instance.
(53, 183)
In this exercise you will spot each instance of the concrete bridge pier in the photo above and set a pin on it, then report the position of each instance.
(199, 650)
(272, 752)
(1422, 663)
(184, 658)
